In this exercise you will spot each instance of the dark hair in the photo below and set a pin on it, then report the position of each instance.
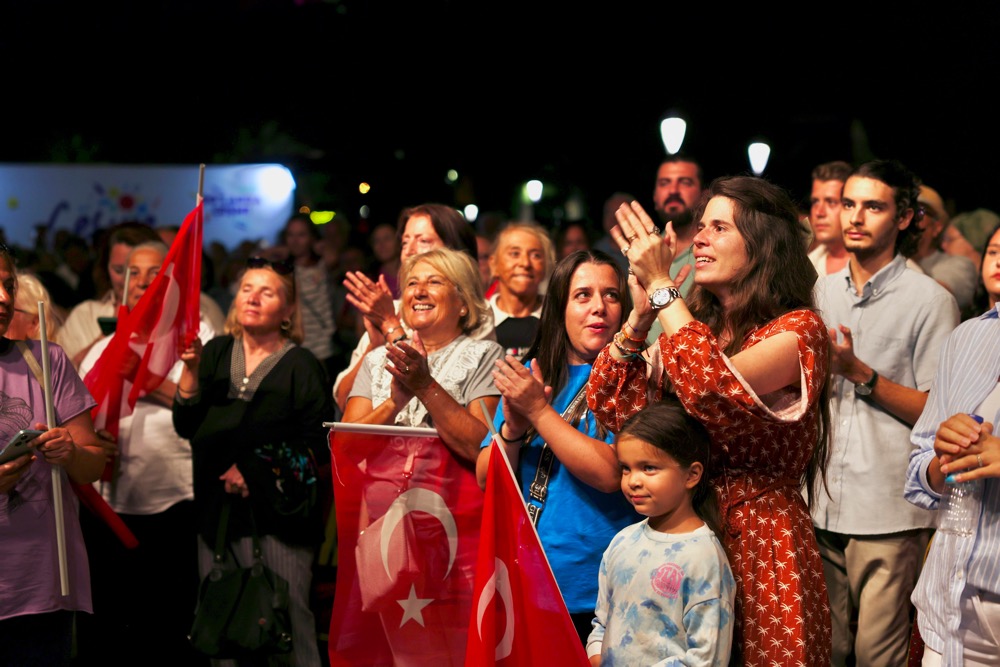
(314, 232)
(906, 191)
(981, 301)
(448, 223)
(838, 170)
(682, 157)
(130, 233)
(779, 278)
(551, 340)
(668, 427)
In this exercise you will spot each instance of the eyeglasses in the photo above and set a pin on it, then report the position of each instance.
(282, 268)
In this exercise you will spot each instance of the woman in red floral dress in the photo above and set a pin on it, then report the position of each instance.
(748, 356)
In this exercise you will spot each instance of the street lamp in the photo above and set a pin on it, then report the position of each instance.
(672, 131)
(758, 152)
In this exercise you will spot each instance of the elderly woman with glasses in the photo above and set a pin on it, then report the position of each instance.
(437, 377)
(253, 402)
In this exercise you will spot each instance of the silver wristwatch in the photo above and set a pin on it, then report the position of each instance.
(663, 297)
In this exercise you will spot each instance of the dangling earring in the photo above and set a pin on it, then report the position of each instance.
(286, 324)
(463, 312)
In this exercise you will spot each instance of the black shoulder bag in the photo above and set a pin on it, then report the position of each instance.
(242, 611)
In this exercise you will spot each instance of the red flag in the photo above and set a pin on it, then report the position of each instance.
(408, 516)
(519, 617)
(148, 342)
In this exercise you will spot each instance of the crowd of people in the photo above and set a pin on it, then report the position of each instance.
(733, 417)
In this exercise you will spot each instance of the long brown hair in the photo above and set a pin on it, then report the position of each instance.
(778, 278)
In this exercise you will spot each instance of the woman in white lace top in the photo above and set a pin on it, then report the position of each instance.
(437, 377)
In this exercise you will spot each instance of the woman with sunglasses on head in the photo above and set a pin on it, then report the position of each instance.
(36, 619)
(436, 376)
(250, 398)
(420, 228)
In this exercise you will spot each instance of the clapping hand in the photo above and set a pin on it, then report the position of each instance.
(407, 363)
(524, 393)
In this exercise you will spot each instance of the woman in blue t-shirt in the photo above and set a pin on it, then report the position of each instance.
(581, 507)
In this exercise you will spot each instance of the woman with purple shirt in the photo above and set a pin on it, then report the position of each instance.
(36, 620)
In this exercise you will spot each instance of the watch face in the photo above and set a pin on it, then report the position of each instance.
(862, 389)
(662, 297)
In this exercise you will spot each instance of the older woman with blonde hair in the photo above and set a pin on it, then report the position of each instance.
(436, 378)
(26, 321)
(253, 403)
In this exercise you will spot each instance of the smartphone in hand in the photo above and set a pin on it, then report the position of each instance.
(18, 445)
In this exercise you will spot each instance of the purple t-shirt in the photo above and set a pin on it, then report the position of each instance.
(29, 559)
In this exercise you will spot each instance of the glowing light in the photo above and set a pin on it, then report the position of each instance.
(471, 212)
(364, 211)
(275, 183)
(672, 132)
(534, 188)
(321, 217)
(759, 152)
(451, 176)
(363, 188)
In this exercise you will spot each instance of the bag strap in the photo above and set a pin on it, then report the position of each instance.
(33, 364)
(538, 489)
(222, 537)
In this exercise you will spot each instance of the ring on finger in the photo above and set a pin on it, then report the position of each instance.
(979, 459)
(625, 250)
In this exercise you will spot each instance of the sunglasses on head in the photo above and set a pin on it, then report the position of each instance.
(283, 267)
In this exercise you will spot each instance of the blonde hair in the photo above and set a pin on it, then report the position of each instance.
(294, 331)
(463, 273)
(31, 290)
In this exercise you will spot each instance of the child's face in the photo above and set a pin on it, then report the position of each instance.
(656, 484)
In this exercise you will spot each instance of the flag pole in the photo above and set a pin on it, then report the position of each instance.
(50, 418)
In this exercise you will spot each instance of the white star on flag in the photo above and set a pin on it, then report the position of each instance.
(412, 606)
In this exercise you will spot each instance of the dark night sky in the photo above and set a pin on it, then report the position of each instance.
(396, 93)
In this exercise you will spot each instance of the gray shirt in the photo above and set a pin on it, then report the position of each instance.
(898, 324)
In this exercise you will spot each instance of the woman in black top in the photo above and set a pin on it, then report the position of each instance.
(253, 403)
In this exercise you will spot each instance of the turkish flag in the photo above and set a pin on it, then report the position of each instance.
(148, 340)
(408, 515)
(519, 617)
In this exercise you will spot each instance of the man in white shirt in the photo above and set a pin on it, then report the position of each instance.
(887, 324)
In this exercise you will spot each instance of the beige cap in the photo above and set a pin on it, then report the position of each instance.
(932, 203)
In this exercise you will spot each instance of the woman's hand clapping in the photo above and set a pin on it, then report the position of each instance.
(524, 393)
(408, 367)
(374, 300)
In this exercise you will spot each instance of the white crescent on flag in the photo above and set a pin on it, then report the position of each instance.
(498, 583)
(419, 500)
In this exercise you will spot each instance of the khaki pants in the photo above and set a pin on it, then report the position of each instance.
(873, 576)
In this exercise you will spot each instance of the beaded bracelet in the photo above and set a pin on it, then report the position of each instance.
(619, 338)
(628, 352)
